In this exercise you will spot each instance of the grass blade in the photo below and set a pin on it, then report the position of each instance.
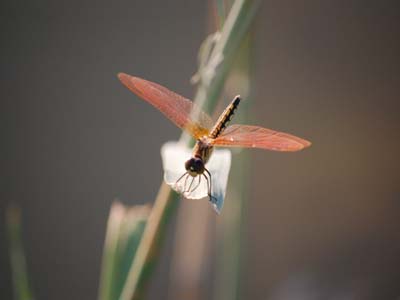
(20, 278)
(124, 231)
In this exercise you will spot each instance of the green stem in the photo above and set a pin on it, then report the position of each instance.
(209, 89)
(143, 262)
(221, 12)
(229, 230)
(236, 25)
(124, 231)
(20, 278)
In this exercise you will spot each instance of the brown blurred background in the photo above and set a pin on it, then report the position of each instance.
(322, 224)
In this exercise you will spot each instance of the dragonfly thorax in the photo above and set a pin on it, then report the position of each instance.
(194, 166)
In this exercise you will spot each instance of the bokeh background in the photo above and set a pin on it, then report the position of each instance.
(321, 224)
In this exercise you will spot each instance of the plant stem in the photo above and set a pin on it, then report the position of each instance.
(235, 26)
(144, 260)
(20, 278)
(229, 229)
(209, 89)
(124, 231)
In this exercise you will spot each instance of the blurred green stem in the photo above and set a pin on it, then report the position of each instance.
(124, 230)
(17, 256)
(210, 85)
(221, 12)
(230, 225)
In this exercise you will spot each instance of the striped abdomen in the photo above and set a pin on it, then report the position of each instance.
(224, 118)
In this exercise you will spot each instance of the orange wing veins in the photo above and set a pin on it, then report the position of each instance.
(175, 107)
(257, 137)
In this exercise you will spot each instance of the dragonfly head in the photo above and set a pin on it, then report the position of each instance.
(194, 166)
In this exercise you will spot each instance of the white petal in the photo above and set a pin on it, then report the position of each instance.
(175, 154)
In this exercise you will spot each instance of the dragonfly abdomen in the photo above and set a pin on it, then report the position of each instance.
(224, 118)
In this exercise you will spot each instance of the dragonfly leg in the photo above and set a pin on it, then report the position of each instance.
(198, 184)
(190, 186)
(180, 178)
(185, 184)
(209, 182)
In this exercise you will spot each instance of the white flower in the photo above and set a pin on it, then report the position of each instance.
(175, 154)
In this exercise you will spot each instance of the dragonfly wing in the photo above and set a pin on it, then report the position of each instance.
(181, 111)
(257, 137)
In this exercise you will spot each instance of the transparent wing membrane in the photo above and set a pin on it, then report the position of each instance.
(257, 137)
(181, 111)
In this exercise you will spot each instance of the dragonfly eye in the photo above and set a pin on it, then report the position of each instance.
(199, 166)
(194, 166)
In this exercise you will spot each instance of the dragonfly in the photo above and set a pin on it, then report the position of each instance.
(188, 116)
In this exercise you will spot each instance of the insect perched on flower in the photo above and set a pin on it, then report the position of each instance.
(186, 115)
